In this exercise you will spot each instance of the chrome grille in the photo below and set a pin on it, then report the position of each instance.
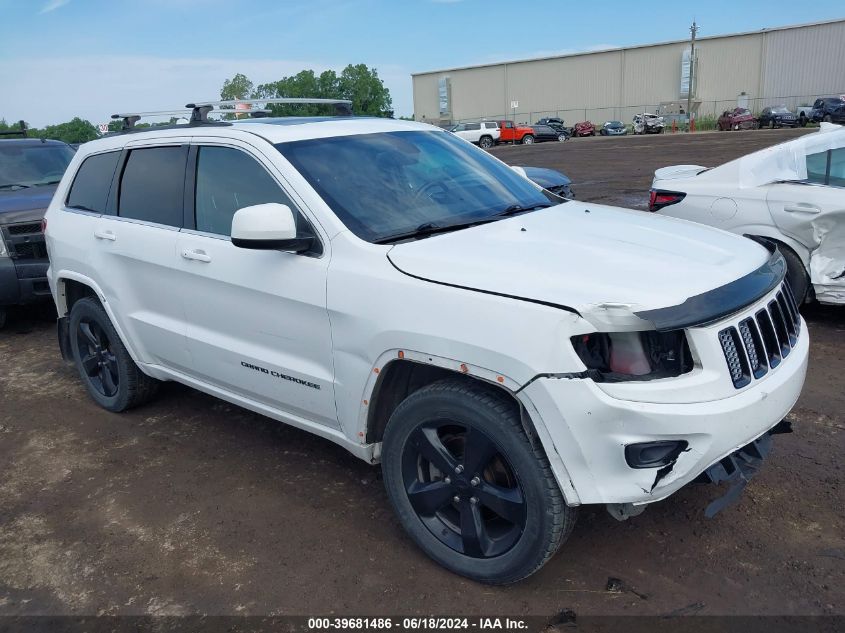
(759, 343)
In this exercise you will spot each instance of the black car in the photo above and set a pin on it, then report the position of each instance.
(556, 123)
(30, 170)
(548, 133)
(777, 116)
(551, 180)
(829, 110)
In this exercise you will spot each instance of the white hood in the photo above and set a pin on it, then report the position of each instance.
(588, 257)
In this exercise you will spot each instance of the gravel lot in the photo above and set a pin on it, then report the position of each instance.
(190, 505)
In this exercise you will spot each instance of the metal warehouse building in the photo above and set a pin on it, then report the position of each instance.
(788, 65)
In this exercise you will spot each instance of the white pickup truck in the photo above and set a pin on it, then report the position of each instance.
(485, 134)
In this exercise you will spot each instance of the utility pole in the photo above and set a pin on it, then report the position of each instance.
(693, 30)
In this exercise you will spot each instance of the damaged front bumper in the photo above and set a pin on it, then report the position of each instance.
(590, 428)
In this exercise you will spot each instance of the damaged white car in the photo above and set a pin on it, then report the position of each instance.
(792, 193)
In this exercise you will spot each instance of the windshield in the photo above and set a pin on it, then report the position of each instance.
(389, 183)
(780, 110)
(32, 165)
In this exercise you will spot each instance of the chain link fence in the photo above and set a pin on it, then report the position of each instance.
(706, 112)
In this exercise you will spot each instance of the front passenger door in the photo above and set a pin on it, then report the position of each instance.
(257, 319)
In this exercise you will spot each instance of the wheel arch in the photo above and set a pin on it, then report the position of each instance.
(401, 373)
(71, 287)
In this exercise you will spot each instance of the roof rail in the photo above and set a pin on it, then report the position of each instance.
(343, 107)
(20, 132)
(200, 110)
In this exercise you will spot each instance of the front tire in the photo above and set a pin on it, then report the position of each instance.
(527, 140)
(561, 137)
(827, 118)
(469, 486)
(109, 374)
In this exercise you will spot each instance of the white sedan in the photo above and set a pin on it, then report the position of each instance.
(792, 193)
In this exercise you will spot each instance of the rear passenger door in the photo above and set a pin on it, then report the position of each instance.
(134, 250)
(257, 320)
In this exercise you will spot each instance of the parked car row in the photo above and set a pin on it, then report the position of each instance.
(824, 110)
(489, 133)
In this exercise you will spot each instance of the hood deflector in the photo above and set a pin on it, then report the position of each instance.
(718, 303)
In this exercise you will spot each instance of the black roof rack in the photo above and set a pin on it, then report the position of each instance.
(21, 132)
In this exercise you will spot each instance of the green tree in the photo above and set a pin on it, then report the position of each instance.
(357, 83)
(238, 87)
(366, 90)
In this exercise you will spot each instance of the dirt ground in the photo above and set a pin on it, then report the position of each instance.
(190, 505)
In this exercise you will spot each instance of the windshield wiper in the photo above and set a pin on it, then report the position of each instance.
(518, 208)
(15, 184)
(430, 228)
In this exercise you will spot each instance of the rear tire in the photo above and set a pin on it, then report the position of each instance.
(486, 142)
(112, 378)
(527, 140)
(469, 487)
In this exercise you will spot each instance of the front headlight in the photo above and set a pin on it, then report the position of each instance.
(620, 356)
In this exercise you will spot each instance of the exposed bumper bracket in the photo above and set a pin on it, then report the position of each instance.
(739, 467)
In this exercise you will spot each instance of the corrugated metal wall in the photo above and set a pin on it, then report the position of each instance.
(800, 61)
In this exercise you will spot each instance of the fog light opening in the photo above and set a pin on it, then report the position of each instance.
(654, 454)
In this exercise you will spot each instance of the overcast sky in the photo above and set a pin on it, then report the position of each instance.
(91, 58)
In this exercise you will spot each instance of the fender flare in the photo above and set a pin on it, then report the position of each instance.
(497, 379)
(61, 305)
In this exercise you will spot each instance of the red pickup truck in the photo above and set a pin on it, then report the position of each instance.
(512, 133)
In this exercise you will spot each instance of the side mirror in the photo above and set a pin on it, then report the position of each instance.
(269, 226)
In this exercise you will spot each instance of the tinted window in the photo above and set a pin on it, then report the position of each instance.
(817, 167)
(227, 180)
(90, 188)
(152, 185)
(32, 164)
(473, 126)
(836, 176)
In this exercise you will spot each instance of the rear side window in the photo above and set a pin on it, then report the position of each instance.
(227, 180)
(153, 184)
(90, 188)
(827, 168)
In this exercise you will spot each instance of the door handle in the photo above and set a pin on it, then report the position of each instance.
(800, 208)
(104, 234)
(197, 255)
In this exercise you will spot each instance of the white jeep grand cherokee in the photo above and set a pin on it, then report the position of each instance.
(505, 354)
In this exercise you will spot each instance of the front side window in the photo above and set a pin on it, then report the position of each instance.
(153, 184)
(381, 185)
(24, 165)
(227, 180)
(90, 188)
(473, 126)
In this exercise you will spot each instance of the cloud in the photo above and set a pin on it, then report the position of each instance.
(53, 90)
(52, 5)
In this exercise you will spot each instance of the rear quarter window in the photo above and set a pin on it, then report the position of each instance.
(91, 185)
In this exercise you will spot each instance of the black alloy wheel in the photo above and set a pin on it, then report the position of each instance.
(109, 373)
(97, 359)
(463, 489)
(469, 486)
